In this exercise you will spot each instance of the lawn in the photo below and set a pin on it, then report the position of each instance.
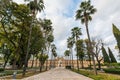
(19, 75)
(100, 76)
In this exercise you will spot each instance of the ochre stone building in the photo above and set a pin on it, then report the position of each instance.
(60, 62)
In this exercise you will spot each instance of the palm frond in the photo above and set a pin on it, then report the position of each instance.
(83, 20)
(85, 10)
(93, 11)
(89, 18)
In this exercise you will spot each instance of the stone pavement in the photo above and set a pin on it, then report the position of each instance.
(58, 74)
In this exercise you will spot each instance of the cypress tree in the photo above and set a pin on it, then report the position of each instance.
(105, 55)
(116, 33)
(112, 58)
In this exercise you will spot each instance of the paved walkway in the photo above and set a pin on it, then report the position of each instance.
(58, 74)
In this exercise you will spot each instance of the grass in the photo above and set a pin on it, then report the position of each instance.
(100, 76)
(10, 72)
(19, 76)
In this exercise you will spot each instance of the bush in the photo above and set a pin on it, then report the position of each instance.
(89, 68)
(1, 69)
(114, 65)
(112, 70)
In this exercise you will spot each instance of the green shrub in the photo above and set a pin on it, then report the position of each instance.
(112, 70)
(114, 65)
(1, 69)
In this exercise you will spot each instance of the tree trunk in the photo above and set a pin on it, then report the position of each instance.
(82, 64)
(28, 46)
(99, 65)
(72, 58)
(36, 61)
(66, 62)
(21, 65)
(89, 60)
(77, 64)
(51, 63)
(90, 46)
(47, 59)
(40, 65)
(46, 64)
(32, 61)
(6, 62)
(54, 62)
(14, 64)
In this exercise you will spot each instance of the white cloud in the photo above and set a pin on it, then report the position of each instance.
(62, 12)
(107, 13)
(59, 12)
(19, 1)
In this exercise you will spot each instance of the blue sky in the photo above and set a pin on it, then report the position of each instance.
(62, 14)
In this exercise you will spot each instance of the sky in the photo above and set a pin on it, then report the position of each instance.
(62, 14)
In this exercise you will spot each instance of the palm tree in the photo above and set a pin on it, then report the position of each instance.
(80, 51)
(50, 39)
(67, 54)
(55, 55)
(84, 14)
(42, 58)
(48, 34)
(70, 43)
(76, 32)
(47, 26)
(53, 50)
(34, 7)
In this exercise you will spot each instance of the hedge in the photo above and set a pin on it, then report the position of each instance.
(112, 70)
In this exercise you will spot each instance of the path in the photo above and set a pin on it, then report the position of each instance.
(58, 74)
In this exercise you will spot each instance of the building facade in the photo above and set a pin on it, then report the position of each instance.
(60, 62)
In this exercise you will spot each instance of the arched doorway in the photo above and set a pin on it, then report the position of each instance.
(59, 63)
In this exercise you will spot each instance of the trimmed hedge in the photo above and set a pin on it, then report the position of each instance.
(112, 70)
(115, 65)
(100, 76)
(1, 69)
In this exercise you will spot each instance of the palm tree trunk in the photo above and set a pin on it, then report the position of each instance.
(47, 59)
(72, 58)
(77, 55)
(77, 64)
(51, 60)
(82, 63)
(90, 46)
(65, 62)
(68, 60)
(54, 62)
